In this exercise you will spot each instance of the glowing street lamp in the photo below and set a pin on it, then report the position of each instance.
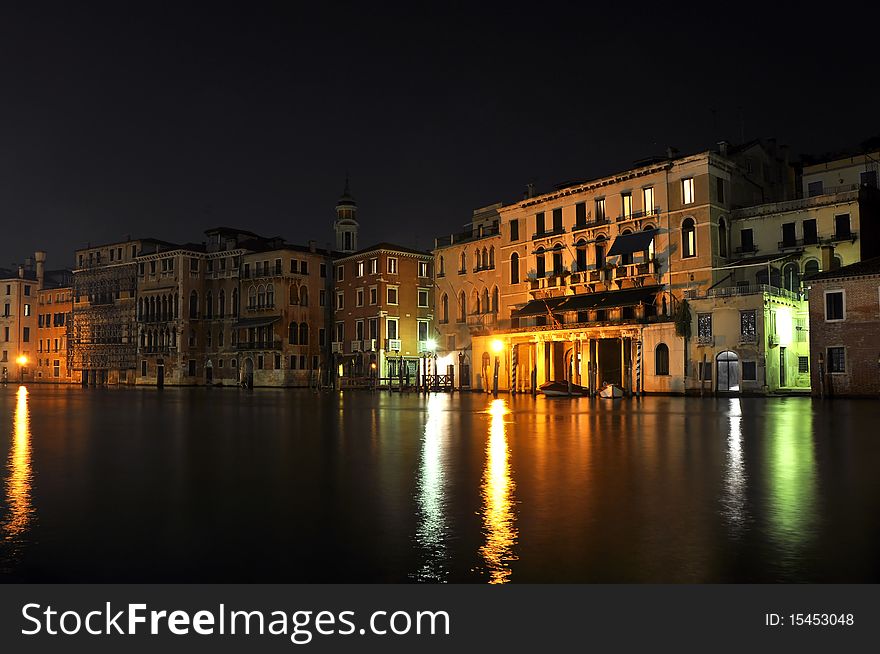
(22, 362)
(497, 346)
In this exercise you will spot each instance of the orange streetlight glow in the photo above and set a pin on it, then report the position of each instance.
(497, 346)
(22, 360)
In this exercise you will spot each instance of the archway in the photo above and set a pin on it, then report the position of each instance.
(728, 372)
(248, 379)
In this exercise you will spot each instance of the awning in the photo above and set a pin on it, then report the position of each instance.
(248, 323)
(608, 299)
(629, 243)
(538, 307)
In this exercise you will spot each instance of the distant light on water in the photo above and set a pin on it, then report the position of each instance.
(499, 517)
(20, 477)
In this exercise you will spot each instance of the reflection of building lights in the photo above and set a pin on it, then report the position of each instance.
(18, 483)
(497, 345)
(499, 519)
(432, 531)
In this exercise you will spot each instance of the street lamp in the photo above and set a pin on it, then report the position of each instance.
(22, 362)
(497, 347)
(430, 352)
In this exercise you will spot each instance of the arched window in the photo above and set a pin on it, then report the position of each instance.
(600, 251)
(444, 308)
(221, 304)
(220, 337)
(152, 309)
(303, 333)
(164, 307)
(722, 238)
(270, 295)
(209, 305)
(649, 253)
(235, 302)
(492, 257)
(581, 255)
(462, 306)
(811, 267)
(791, 278)
(193, 305)
(485, 261)
(661, 360)
(514, 268)
(626, 258)
(293, 295)
(252, 297)
(176, 305)
(463, 267)
(540, 263)
(688, 238)
(140, 310)
(292, 333)
(303, 296)
(485, 303)
(495, 300)
(261, 296)
(475, 301)
(442, 266)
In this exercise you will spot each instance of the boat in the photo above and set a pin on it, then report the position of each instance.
(561, 389)
(611, 391)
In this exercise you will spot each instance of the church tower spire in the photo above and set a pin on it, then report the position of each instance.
(346, 224)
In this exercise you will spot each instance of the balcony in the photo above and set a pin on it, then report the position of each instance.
(706, 340)
(392, 344)
(368, 345)
(336, 347)
(260, 307)
(258, 345)
(356, 346)
(843, 236)
(548, 233)
(791, 244)
(744, 289)
(746, 249)
(598, 222)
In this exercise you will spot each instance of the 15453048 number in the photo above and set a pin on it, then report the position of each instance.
(822, 619)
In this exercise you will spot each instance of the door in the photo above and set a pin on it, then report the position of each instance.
(781, 367)
(209, 373)
(160, 374)
(728, 375)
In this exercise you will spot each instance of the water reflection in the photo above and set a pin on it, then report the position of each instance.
(791, 496)
(432, 530)
(733, 499)
(499, 518)
(19, 480)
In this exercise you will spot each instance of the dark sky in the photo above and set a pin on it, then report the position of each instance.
(164, 120)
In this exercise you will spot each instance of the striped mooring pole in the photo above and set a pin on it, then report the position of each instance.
(513, 357)
(638, 367)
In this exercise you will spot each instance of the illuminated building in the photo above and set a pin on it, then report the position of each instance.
(584, 282)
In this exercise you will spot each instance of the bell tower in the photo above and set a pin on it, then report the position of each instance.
(346, 224)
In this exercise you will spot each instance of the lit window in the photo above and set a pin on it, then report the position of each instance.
(392, 265)
(687, 190)
(688, 238)
(423, 269)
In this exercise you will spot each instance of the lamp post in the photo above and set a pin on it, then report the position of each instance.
(22, 362)
(497, 347)
(821, 375)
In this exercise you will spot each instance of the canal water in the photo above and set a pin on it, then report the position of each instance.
(226, 485)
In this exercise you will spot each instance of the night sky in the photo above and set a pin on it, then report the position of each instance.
(164, 120)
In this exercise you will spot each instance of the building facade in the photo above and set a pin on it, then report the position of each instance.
(382, 314)
(844, 329)
(18, 323)
(591, 276)
(54, 312)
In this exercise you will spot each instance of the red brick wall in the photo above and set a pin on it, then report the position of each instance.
(859, 333)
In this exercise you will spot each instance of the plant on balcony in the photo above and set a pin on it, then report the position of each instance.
(682, 320)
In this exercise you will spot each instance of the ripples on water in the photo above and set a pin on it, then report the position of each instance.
(210, 485)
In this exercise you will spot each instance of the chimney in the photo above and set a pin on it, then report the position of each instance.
(21, 272)
(313, 246)
(671, 152)
(29, 264)
(530, 191)
(40, 258)
(722, 148)
(827, 257)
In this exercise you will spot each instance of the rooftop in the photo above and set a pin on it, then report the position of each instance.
(860, 269)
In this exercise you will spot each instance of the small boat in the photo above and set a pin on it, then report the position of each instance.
(611, 391)
(561, 389)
